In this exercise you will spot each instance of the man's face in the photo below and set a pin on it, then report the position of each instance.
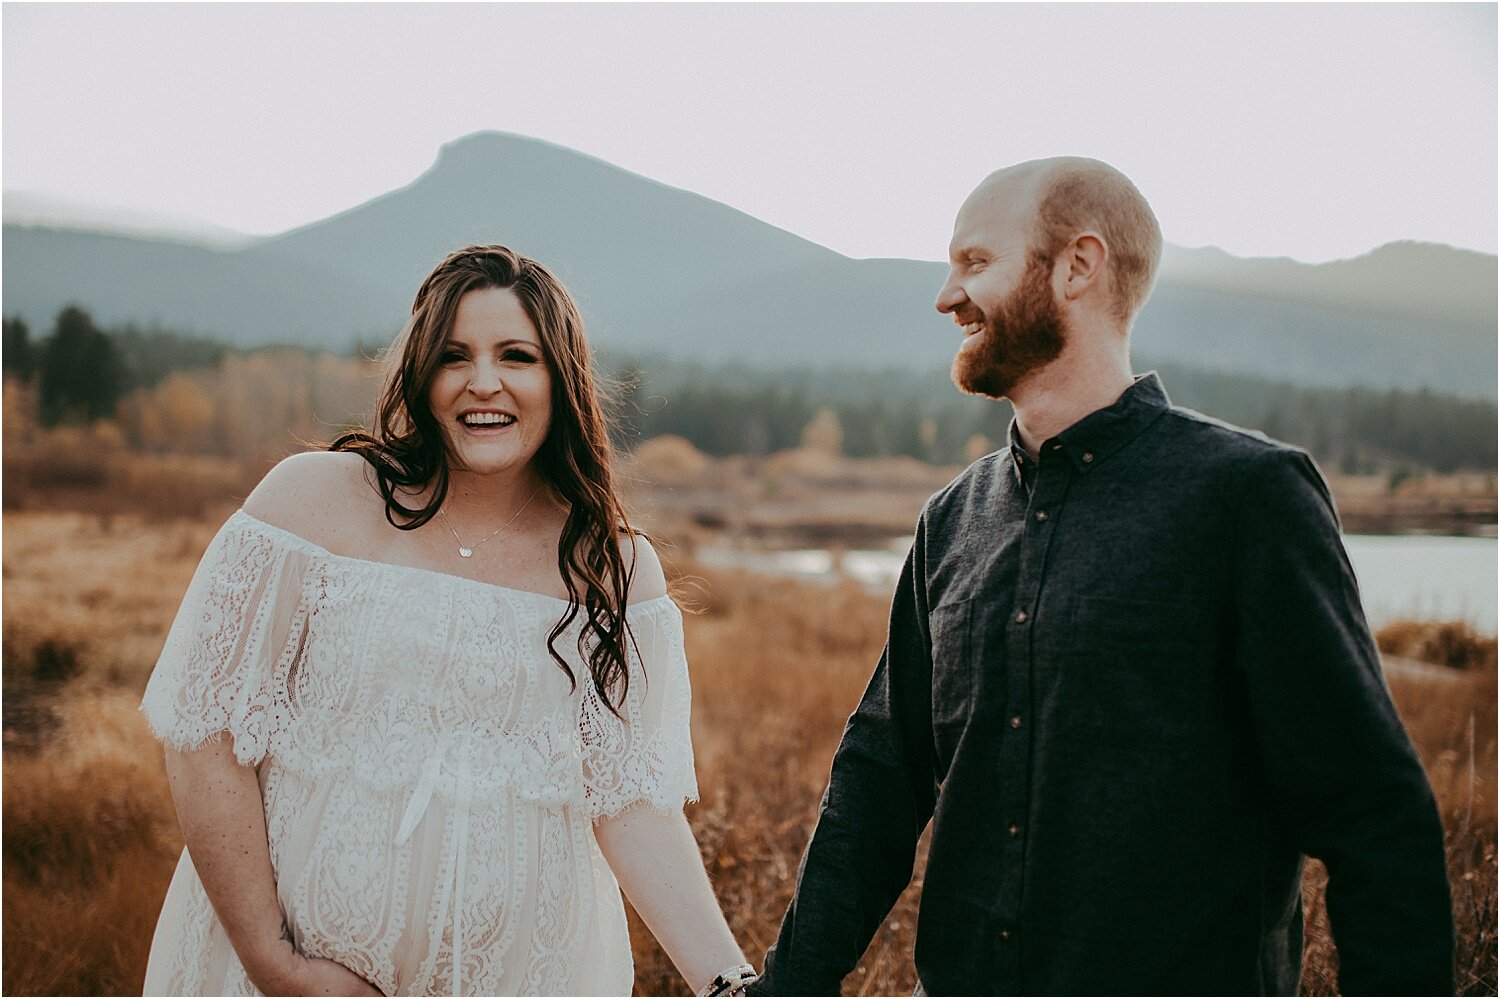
(1001, 294)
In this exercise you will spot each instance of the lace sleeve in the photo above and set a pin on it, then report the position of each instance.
(224, 665)
(645, 754)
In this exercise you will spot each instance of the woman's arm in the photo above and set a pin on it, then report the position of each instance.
(655, 858)
(224, 824)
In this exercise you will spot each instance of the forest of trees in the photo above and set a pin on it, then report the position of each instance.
(82, 373)
(920, 414)
(175, 392)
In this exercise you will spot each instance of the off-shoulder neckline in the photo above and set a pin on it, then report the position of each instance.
(299, 541)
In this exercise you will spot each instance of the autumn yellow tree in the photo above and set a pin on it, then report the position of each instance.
(824, 434)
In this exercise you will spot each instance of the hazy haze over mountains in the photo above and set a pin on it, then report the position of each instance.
(658, 270)
(32, 208)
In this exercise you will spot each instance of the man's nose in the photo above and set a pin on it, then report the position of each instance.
(950, 297)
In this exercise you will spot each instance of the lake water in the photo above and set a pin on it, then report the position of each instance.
(1410, 576)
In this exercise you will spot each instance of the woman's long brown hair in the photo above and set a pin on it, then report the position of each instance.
(409, 451)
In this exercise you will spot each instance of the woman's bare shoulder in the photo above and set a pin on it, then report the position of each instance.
(317, 495)
(648, 580)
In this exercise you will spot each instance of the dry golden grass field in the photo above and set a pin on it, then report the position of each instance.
(90, 838)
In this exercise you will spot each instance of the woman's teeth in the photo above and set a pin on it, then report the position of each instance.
(487, 419)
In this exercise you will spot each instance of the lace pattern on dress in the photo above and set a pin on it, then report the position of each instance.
(428, 773)
(645, 753)
(226, 656)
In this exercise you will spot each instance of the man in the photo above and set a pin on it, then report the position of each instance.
(1127, 676)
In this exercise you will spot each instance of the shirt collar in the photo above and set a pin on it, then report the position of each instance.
(1104, 431)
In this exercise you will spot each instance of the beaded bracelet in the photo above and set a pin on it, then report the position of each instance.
(731, 981)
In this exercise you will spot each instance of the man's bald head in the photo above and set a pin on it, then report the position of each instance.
(1066, 196)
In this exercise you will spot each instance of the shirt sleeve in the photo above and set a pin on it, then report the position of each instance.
(643, 754)
(880, 796)
(1345, 782)
(232, 645)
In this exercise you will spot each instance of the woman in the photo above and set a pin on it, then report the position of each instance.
(454, 688)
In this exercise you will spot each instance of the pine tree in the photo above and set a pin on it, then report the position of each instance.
(81, 374)
(17, 351)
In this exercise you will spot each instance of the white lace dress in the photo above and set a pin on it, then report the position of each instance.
(430, 776)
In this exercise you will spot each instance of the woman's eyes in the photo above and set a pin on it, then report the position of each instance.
(512, 355)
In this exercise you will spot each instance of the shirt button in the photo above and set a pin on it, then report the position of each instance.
(1088, 456)
(1057, 447)
(1021, 617)
(1041, 515)
(1014, 830)
(1005, 934)
(1015, 721)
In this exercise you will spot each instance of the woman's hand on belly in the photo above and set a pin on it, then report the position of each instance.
(313, 976)
(223, 819)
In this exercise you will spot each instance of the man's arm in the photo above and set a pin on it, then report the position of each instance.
(1345, 781)
(880, 797)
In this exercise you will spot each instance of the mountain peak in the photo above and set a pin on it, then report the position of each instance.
(1427, 250)
(488, 141)
(492, 148)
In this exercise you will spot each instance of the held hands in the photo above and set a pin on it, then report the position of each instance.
(297, 974)
(731, 981)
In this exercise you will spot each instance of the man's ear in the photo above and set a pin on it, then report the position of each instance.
(1083, 261)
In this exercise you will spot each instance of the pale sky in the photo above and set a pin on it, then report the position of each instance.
(1311, 131)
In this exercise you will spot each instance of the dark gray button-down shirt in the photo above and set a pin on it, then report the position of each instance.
(1131, 686)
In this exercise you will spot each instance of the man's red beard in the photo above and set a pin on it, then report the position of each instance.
(1026, 333)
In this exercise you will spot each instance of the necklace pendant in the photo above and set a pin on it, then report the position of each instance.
(464, 552)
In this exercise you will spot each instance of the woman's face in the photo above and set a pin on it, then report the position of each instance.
(492, 393)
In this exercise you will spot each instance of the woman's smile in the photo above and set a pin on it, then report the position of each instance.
(486, 422)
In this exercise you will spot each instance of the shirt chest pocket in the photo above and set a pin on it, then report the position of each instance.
(953, 673)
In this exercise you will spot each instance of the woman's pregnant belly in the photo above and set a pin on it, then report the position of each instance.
(489, 896)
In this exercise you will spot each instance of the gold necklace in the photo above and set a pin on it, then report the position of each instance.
(467, 551)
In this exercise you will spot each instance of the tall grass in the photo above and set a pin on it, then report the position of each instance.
(777, 668)
(90, 841)
(85, 469)
(1449, 643)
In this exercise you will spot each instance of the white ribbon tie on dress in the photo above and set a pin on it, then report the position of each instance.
(416, 807)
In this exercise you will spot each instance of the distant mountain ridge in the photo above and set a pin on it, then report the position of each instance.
(1423, 281)
(42, 211)
(661, 270)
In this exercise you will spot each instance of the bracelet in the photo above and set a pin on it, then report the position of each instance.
(731, 981)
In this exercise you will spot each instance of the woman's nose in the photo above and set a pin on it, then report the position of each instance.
(485, 380)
